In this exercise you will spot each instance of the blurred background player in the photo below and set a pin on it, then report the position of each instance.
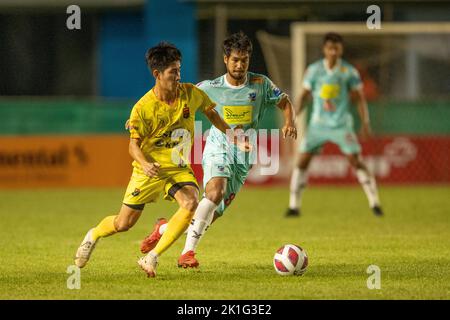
(331, 82)
(168, 107)
(242, 99)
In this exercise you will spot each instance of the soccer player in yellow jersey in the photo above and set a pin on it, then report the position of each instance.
(161, 126)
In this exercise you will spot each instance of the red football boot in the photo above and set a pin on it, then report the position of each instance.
(152, 240)
(188, 260)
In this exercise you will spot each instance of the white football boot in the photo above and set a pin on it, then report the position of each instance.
(85, 250)
(148, 264)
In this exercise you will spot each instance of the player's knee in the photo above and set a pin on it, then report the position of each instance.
(303, 165)
(122, 226)
(216, 195)
(190, 204)
(356, 163)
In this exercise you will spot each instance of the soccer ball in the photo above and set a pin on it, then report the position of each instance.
(290, 259)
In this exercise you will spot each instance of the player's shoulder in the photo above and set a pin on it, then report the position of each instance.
(187, 87)
(145, 107)
(257, 78)
(261, 79)
(265, 81)
(190, 91)
(347, 67)
(207, 84)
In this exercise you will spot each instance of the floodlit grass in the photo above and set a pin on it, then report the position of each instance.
(41, 230)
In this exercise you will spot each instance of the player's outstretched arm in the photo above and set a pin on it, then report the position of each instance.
(289, 129)
(363, 112)
(217, 120)
(150, 168)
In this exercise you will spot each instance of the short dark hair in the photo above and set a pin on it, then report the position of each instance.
(162, 55)
(239, 42)
(333, 37)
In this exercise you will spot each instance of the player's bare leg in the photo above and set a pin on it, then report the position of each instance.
(126, 218)
(367, 181)
(203, 217)
(187, 198)
(298, 184)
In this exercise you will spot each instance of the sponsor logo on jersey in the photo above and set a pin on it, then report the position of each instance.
(237, 114)
(252, 96)
(329, 91)
(170, 138)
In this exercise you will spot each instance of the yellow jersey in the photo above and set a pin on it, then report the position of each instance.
(167, 132)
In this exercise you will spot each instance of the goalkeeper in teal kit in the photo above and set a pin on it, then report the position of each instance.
(330, 81)
(242, 98)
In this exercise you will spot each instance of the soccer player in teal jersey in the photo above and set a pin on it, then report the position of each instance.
(242, 98)
(331, 81)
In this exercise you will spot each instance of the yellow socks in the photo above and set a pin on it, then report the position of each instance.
(175, 228)
(105, 228)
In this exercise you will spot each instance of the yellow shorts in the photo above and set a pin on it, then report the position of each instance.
(143, 189)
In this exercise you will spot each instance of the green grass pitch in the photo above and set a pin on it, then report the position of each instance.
(41, 230)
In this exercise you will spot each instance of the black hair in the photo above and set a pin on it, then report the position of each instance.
(333, 37)
(238, 42)
(162, 55)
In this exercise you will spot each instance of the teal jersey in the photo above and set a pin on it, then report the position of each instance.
(331, 93)
(243, 105)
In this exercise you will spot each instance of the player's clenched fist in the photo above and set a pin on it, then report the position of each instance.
(289, 130)
(151, 169)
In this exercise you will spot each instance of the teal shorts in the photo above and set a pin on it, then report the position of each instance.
(316, 137)
(221, 165)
